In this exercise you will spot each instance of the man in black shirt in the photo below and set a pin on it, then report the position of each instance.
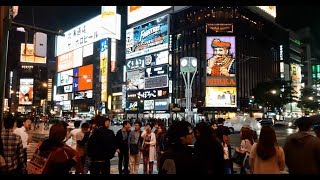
(122, 147)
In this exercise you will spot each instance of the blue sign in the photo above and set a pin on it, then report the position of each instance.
(103, 45)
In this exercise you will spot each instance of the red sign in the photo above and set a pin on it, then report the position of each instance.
(221, 81)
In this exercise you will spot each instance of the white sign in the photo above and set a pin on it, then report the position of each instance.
(65, 78)
(86, 33)
(281, 52)
(61, 97)
(87, 50)
(137, 13)
(148, 104)
(67, 89)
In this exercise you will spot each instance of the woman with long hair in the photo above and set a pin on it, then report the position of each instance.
(148, 148)
(246, 142)
(161, 142)
(266, 156)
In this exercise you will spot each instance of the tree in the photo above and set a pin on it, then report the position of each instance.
(273, 94)
(309, 101)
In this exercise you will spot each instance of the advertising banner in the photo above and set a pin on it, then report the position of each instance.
(148, 94)
(147, 38)
(148, 105)
(27, 55)
(218, 28)
(83, 78)
(86, 33)
(70, 60)
(61, 97)
(104, 69)
(221, 97)
(26, 92)
(67, 89)
(65, 78)
(137, 13)
(87, 50)
(132, 105)
(156, 71)
(161, 104)
(221, 64)
(296, 80)
(134, 64)
(135, 80)
(156, 82)
(83, 94)
(148, 60)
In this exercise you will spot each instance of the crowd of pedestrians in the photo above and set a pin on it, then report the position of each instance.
(180, 149)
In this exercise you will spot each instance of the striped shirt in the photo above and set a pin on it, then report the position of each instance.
(12, 149)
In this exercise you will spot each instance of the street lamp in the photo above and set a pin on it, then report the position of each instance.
(273, 91)
(188, 65)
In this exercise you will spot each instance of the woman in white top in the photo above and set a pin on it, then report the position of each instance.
(148, 148)
(266, 156)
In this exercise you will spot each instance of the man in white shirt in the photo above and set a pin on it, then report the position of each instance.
(24, 125)
(73, 133)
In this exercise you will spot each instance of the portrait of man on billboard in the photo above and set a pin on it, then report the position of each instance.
(222, 62)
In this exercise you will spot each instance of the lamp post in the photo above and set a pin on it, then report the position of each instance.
(188, 65)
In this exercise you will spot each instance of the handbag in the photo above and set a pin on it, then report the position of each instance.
(238, 157)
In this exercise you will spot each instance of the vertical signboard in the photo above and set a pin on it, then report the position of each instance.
(221, 70)
(113, 55)
(296, 80)
(104, 69)
(49, 96)
(26, 92)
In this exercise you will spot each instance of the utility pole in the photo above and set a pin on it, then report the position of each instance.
(4, 28)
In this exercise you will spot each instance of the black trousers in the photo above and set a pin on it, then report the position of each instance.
(100, 167)
(123, 159)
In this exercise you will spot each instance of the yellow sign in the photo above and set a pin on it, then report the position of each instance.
(104, 69)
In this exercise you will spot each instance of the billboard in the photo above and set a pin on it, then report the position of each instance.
(132, 105)
(148, 60)
(156, 71)
(296, 80)
(27, 55)
(83, 78)
(148, 105)
(148, 94)
(87, 50)
(221, 64)
(70, 60)
(135, 80)
(83, 94)
(137, 13)
(87, 33)
(147, 38)
(221, 97)
(156, 82)
(26, 92)
(161, 104)
(65, 78)
(104, 69)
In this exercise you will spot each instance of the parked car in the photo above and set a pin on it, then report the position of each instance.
(236, 127)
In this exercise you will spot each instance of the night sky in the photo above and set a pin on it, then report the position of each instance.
(67, 17)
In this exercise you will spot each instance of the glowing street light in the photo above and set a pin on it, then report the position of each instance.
(310, 98)
(273, 92)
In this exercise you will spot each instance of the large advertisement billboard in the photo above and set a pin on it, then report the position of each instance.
(221, 97)
(147, 38)
(137, 13)
(148, 60)
(221, 64)
(83, 78)
(135, 80)
(104, 69)
(148, 94)
(83, 95)
(65, 78)
(26, 92)
(296, 80)
(156, 71)
(27, 55)
(70, 60)
(87, 33)
(156, 82)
